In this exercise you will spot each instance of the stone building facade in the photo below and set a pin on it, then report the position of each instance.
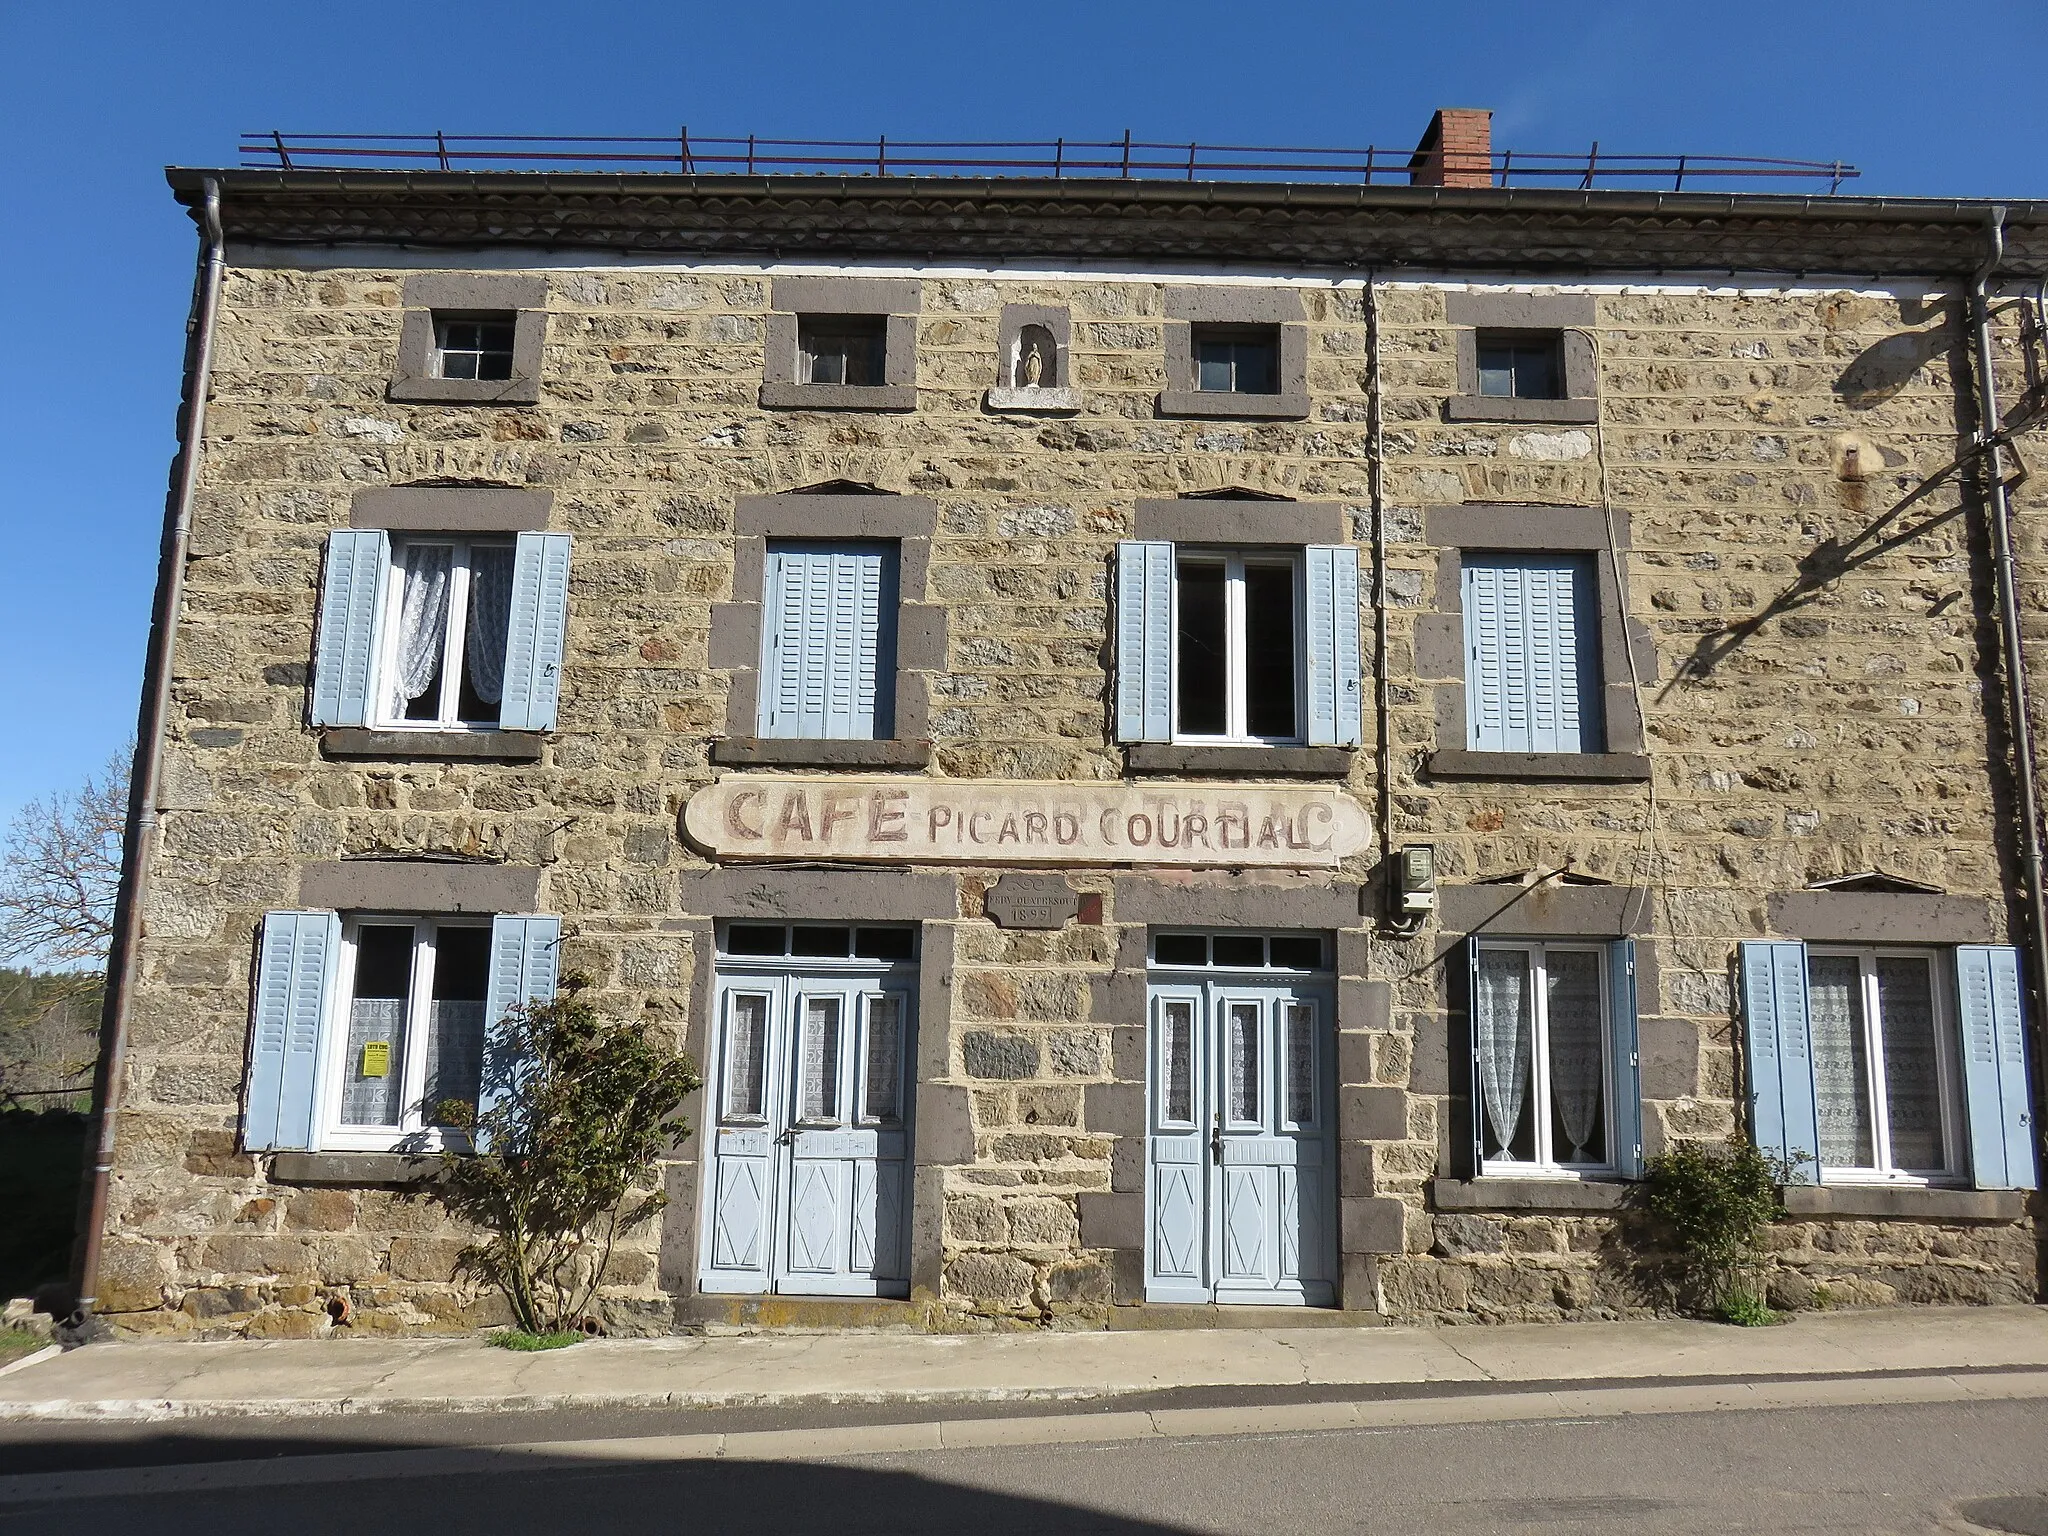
(996, 1034)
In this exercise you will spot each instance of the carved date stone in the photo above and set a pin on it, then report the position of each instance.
(1032, 901)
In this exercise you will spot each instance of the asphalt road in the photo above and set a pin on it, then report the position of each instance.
(1894, 1468)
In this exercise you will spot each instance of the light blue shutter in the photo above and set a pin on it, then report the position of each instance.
(828, 661)
(1144, 641)
(351, 603)
(1532, 678)
(1995, 1066)
(1335, 682)
(294, 975)
(525, 959)
(1779, 1040)
(534, 638)
(1624, 1057)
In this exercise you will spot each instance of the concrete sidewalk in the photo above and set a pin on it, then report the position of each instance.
(162, 1381)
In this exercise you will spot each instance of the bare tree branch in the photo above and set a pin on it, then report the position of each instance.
(59, 868)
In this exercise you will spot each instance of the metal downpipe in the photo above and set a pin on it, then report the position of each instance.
(1383, 751)
(139, 841)
(2018, 706)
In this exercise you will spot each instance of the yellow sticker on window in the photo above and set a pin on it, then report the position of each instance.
(377, 1058)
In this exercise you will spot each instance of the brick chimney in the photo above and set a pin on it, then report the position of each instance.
(1456, 151)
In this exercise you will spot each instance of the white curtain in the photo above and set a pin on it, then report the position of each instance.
(1841, 1062)
(367, 1100)
(885, 1048)
(821, 1059)
(1912, 1072)
(490, 612)
(423, 621)
(1501, 1018)
(1244, 1063)
(1576, 1028)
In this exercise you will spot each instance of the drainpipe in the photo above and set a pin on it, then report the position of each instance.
(139, 842)
(1377, 482)
(2018, 708)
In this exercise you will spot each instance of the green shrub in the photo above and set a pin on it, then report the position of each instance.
(581, 1106)
(1717, 1203)
(520, 1339)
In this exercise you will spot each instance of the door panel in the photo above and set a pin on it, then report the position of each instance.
(812, 1151)
(1241, 1203)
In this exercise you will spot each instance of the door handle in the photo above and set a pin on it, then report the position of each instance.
(1216, 1141)
(787, 1138)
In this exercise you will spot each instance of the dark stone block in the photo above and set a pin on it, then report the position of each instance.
(988, 1054)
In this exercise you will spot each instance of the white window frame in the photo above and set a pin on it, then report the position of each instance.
(1948, 1069)
(1545, 1164)
(411, 1134)
(1236, 692)
(383, 717)
(445, 318)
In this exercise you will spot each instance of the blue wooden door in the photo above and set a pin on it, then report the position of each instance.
(1241, 1187)
(809, 1167)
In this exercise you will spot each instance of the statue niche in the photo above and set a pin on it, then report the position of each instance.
(1034, 360)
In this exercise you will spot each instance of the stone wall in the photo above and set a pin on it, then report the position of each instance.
(1816, 705)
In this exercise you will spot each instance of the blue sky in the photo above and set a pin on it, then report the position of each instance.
(99, 98)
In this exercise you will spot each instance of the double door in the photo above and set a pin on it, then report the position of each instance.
(810, 1151)
(1240, 1166)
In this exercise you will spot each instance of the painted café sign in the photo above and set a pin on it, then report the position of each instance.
(943, 821)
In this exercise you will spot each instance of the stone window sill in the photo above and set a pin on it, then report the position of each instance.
(1609, 767)
(839, 397)
(778, 752)
(1913, 1204)
(465, 391)
(1034, 401)
(1531, 1195)
(1273, 762)
(1231, 406)
(1500, 408)
(356, 1170)
(495, 746)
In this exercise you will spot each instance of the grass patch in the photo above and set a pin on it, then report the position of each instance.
(519, 1338)
(1746, 1310)
(16, 1342)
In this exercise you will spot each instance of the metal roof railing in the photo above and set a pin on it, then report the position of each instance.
(1056, 159)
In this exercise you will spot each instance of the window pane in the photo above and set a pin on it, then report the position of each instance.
(1572, 997)
(1180, 949)
(746, 1057)
(825, 367)
(456, 1024)
(821, 1058)
(754, 939)
(880, 1084)
(487, 624)
(1201, 654)
(1239, 949)
(1177, 1047)
(1496, 370)
(1256, 368)
(884, 943)
(1297, 952)
(494, 344)
(1502, 1024)
(375, 1069)
(425, 572)
(1841, 1061)
(1243, 1047)
(1213, 366)
(1301, 1064)
(1536, 373)
(1912, 1064)
(842, 350)
(819, 941)
(1269, 650)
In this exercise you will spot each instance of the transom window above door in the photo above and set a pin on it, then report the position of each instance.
(819, 941)
(1238, 951)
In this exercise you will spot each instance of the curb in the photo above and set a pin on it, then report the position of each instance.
(46, 1352)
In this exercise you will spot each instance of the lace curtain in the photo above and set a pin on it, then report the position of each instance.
(885, 1049)
(1912, 1073)
(1841, 1062)
(1573, 1013)
(1501, 1017)
(455, 1054)
(821, 1059)
(367, 1100)
(490, 614)
(423, 621)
